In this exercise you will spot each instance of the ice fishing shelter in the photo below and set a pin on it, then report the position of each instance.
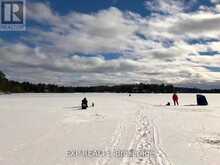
(201, 100)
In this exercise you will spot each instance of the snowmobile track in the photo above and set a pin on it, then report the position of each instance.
(146, 145)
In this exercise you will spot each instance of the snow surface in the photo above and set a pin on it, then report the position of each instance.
(48, 129)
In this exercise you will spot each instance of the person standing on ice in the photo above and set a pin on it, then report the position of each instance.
(175, 99)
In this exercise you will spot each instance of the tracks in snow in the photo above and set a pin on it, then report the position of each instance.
(115, 140)
(144, 144)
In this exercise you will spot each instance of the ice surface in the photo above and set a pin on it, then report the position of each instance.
(43, 129)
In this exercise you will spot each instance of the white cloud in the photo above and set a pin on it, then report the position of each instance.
(42, 13)
(152, 49)
(107, 30)
(215, 1)
(198, 25)
(165, 6)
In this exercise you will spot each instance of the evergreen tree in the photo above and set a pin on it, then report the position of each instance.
(2, 75)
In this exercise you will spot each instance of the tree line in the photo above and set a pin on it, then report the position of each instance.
(10, 86)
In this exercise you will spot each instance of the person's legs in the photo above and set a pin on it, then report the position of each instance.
(176, 102)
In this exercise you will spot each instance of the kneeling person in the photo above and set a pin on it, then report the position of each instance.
(84, 103)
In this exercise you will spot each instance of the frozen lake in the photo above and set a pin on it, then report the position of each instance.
(50, 129)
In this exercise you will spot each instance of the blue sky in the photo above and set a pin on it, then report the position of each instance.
(115, 42)
(84, 6)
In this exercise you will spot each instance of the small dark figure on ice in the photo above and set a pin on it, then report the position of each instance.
(84, 103)
(175, 99)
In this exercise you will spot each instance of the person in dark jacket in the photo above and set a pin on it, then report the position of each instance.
(84, 103)
(175, 99)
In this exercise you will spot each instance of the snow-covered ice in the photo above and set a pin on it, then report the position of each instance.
(50, 129)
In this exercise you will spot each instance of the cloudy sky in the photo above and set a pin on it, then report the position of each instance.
(99, 42)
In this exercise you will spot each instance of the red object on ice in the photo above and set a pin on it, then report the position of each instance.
(175, 99)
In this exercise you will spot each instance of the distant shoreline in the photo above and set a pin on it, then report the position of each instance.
(10, 86)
